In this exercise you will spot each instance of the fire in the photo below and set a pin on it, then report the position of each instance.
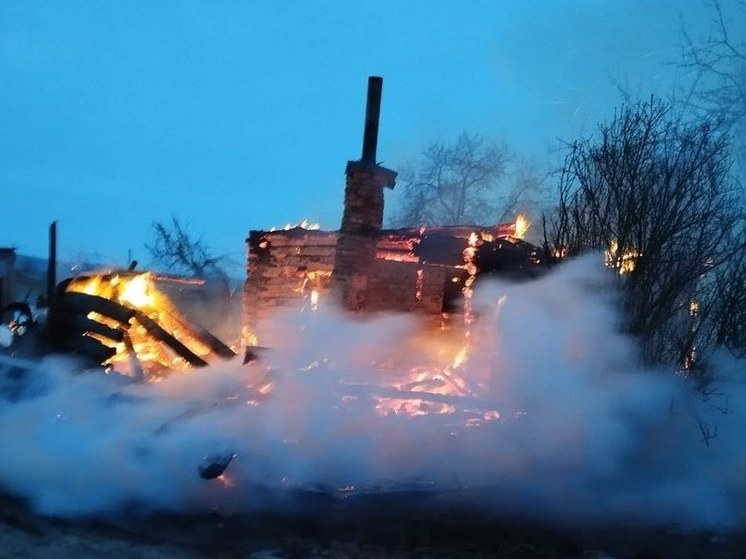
(137, 292)
(142, 350)
(472, 269)
(623, 261)
(305, 224)
(311, 284)
(449, 387)
(560, 253)
(397, 256)
(248, 337)
(460, 357)
(435, 390)
(521, 226)
(693, 307)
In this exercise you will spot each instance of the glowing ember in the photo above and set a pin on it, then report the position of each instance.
(693, 307)
(225, 481)
(471, 268)
(397, 256)
(450, 386)
(560, 253)
(248, 337)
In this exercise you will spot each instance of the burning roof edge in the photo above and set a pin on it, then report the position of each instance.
(458, 231)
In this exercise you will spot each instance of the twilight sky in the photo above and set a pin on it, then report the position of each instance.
(239, 115)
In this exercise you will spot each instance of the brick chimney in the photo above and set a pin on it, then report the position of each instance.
(363, 210)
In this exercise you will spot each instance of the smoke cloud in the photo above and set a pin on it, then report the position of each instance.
(550, 415)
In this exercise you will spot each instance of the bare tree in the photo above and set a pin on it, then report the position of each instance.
(525, 191)
(655, 194)
(453, 183)
(717, 65)
(178, 251)
(729, 311)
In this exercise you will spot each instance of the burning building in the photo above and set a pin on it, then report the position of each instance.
(367, 268)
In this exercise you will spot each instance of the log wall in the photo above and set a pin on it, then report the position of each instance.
(285, 266)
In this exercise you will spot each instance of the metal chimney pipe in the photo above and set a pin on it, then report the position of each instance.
(372, 115)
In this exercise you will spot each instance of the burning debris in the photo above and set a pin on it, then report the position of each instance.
(122, 320)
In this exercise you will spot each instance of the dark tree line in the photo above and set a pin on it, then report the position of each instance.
(655, 194)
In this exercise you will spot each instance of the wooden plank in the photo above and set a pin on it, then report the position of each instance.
(157, 332)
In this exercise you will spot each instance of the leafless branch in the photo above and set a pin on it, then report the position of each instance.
(178, 251)
(656, 192)
(453, 183)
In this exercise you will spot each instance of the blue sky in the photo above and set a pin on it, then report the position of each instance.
(239, 115)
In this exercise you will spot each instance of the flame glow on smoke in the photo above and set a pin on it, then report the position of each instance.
(545, 411)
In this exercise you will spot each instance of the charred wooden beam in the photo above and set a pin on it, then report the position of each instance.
(253, 353)
(134, 360)
(195, 331)
(155, 330)
(211, 341)
(90, 347)
(84, 324)
(83, 303)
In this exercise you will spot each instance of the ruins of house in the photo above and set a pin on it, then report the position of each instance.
(367, 268)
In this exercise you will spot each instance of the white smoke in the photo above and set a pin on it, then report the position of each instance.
(583, 431)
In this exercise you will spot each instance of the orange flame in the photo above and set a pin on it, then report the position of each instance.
(522, 225)
(139, 349)
(623, 261)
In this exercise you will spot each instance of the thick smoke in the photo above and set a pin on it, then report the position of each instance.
(559, 419)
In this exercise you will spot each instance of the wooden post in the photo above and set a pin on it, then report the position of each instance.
(52, 263)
